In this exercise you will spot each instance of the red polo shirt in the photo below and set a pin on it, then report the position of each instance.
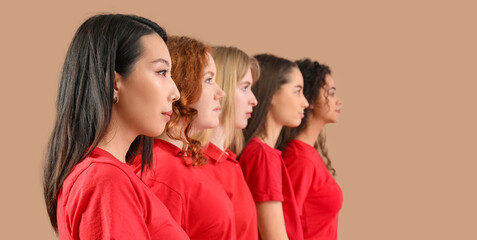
(225, 169)
(268, 179)
(195, 200)
(318, 196)
(102, 198)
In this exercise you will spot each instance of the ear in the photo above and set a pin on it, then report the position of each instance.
(118, 82)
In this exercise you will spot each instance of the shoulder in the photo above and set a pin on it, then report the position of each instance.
(297, 149)
(256, 148)
(99, 175)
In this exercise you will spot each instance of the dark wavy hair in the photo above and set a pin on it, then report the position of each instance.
(102, 45)
(314, 75)
(189, 58)
(273, 74)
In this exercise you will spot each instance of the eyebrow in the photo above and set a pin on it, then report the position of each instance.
(299, 86)
(209, 72)
(162, 61)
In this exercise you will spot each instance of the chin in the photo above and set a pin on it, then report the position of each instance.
(294, 124)
(241, 126)
(213, 125)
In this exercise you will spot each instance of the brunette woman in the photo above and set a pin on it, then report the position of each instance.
(318, 196)
(279, 92)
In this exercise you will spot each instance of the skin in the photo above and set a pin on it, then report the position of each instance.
(244, 102)
(287, 109)
(323, 112)
(145, 98)
(208, 104)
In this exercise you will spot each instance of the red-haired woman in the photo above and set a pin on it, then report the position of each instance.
(193, 197)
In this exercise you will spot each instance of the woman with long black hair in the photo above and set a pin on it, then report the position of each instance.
(115, 90)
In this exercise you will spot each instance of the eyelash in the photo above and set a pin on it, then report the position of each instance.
(208, 80)
(162, 72)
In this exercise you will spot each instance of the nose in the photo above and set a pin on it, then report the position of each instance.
(219, 93)
(339, 102)
(253, 101)
(305, 103)
(174, 94)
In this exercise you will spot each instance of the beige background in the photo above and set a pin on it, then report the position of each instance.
(406, 71)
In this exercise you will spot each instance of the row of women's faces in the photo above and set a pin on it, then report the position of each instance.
(147, 93)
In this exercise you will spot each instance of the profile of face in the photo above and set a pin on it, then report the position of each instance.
(288, 103)
(146, 94)
(208, 105)
(244, 100)
(329, 105)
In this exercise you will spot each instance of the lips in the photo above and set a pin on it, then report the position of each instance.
(338, 110)
(217, 109)
(302, 114)
(249, 114)
(167, 115)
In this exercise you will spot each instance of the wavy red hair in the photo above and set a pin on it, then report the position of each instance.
(189, 59)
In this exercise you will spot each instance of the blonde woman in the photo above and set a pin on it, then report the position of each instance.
(236, 72)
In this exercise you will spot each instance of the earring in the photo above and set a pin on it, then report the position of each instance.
(116, 99)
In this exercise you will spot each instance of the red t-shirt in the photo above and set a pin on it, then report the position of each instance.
(102, 198)
(318, 196)
(225, 169)
(267, 177)
(195, 200)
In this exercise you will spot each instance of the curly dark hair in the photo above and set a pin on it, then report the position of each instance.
(314, 75)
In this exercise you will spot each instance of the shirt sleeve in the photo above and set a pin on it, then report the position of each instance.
(103, 204)
(301, 175)
(263, 173)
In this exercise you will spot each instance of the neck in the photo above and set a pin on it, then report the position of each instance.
(312, 131)
(272, 132)
(117, 141)
(165, 137)
(218, 137)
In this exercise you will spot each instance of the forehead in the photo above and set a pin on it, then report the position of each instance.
(153, 48)
(329, 81)
(210, 64)
(247, 78)
(294, 77)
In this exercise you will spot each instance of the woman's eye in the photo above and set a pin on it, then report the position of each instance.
(162, 72)
(208, 81)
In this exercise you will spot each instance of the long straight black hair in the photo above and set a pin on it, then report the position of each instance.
(274, 71)
(102, 45)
